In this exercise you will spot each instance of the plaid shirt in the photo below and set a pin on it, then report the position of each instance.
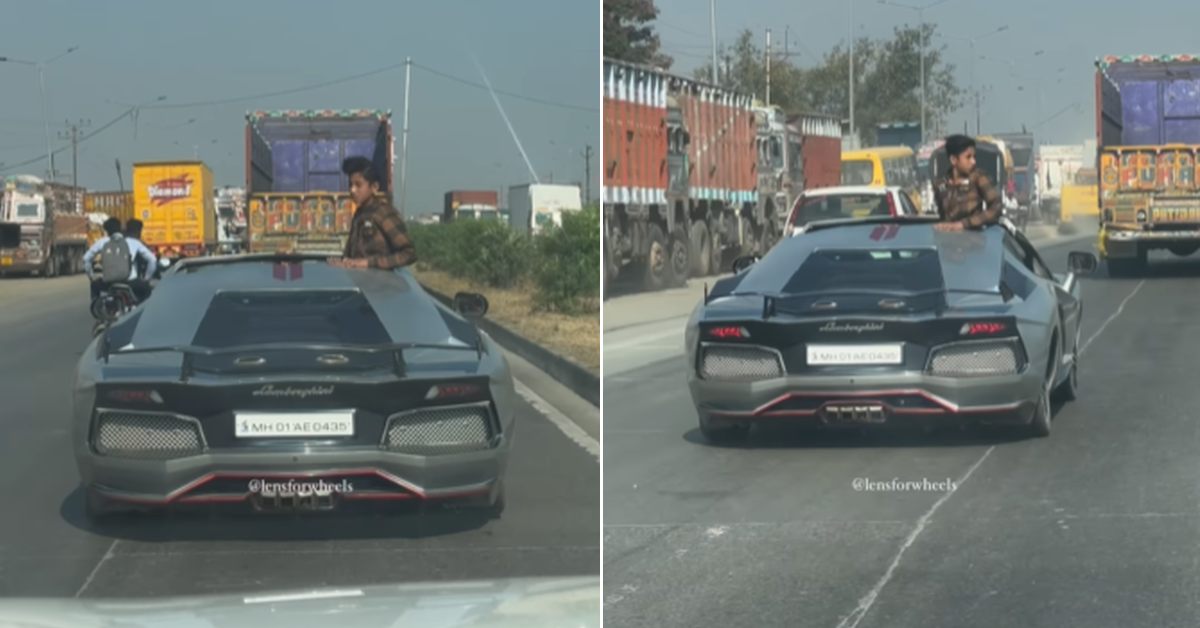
(964, 200)
(379, 235)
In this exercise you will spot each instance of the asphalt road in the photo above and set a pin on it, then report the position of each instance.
(47, 548)
(1097, 525)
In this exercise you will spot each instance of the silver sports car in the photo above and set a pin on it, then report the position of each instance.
(887, 321)
(287, 383)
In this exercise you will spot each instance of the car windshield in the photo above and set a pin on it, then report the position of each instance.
(839, 206)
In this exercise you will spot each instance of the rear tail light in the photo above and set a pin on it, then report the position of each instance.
(1011, 187)
(135, 396)
(990, 328)
(452, 391)
(891, 204)
(730, 332)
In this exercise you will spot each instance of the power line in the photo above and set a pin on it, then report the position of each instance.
(509, 94)
(283, 92)
(347, 79)
(82, 139)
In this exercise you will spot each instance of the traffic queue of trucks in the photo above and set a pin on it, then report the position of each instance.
(694, 173)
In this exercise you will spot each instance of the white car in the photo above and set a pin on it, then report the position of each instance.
(847, 202)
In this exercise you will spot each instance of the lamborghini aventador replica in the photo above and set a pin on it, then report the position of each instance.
(285, 383)
(887, 321)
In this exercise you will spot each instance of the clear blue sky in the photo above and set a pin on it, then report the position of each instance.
(1071, 32)
(135, 50)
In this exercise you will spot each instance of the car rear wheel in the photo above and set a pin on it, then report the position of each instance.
(1069, 389)
(721, 432)
(1043, 414)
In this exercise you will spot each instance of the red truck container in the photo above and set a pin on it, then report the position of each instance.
(694, 173)
(474, 204)
(680, 166)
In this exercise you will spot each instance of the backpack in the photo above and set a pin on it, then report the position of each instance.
(116, 260)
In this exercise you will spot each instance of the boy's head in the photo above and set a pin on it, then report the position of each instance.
(364, 179)
(112, 226)
(133, 228)
(961, 150)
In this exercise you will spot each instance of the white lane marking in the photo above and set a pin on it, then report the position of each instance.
(92, 576)
(868, 600)
(560, 420)
(1112, 317)
(307, 595)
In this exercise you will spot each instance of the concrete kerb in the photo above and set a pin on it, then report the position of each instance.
(566, 371)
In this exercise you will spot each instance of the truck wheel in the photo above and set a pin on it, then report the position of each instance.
(52, 266)
(657, 271)
(701, 244)
(1183, 250)
(679, 249)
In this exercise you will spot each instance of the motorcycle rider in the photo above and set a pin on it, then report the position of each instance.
(145, 266)
(117, 256)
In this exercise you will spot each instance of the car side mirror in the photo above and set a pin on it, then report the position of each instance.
(1082, 262)
(471, 304)
(744, 262)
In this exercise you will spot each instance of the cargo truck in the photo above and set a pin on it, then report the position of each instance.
(175, 202)
(1148, 137)
(471, 205)
(43, 229)
(695, 174)
(231, 219)
(297, 197)
(113, 204)
(1057, 165)
(534, 206)
(1024, 173)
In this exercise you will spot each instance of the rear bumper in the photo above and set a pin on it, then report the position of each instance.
(1126, 243)
(391, 476)
(893, 399)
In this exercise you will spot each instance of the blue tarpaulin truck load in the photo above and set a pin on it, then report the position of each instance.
(1148, 137)
(298, 199)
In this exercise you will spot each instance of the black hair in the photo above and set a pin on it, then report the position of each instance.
(112, 226)
(363, 166)
(133, 228)
(956, 144)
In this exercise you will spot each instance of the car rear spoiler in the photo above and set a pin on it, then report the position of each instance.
(190, 352)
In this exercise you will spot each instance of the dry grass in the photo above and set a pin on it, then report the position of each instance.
(577, 337)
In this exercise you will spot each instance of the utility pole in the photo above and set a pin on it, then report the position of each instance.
(72, 134)
(768, 67)
(712, 5)
(853, 135)
(587, 173)
(120, 181)
(404, 141)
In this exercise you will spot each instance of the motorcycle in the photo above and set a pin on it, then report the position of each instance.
(113, 302)
(117, 300)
